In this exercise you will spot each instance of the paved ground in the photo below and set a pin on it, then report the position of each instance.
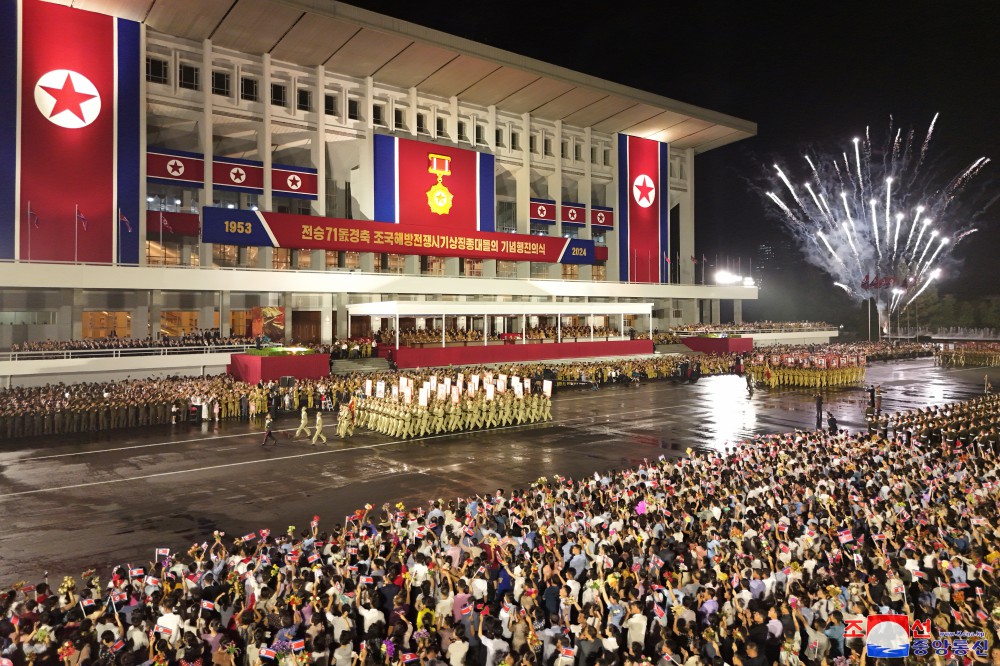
(71, 503)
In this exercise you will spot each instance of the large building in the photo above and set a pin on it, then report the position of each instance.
(172, 164)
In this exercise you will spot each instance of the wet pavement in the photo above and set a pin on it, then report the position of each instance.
(73, 503)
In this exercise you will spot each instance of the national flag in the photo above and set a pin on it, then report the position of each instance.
(299, 645)
(407, 657)
(312, 558)
(787, 571)
(845, 536)
(163, 552)
(152, 580)
(466, 610)
(568, 652)
(878, 537)
(919, 574)
(124, 220)
(267, 653)
(658, 611)
(782, 528)
(643, 208)
(813, 645)
(367, 580)
(208, 605)
(119, 597)
(986, 567)
(160, 629)
(137, 572)
(957, 615)
(165, 224)
(898, 589)
(118, 645)
(82, 219)
(194, 577)
(542, 210)
(783, 548)
(959, 586)
(981, 614)
(87, 603)
(264, 533)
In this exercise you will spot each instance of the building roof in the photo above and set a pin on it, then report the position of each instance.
(493, 308)
(360, 43)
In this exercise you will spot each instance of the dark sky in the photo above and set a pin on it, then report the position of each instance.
(805, 72)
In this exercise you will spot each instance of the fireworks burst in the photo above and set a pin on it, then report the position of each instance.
(875, 217)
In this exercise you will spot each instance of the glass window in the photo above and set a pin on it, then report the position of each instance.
(353, 109)
(472, 267)
(599, 271)
(533, 143)
(378, 114)
(249, 89)
(330, 105)
(480, 135)
(304, 101)
(157, 71)
(499, 138)
(515, 141)
(600, 237)
(578, 152)
(188, 77)
(399, 119)
(462, 131)
(432, 265)
(101, 324)
(221, 84)
(281, 259)
(539, 229)
(279, 94)
(422, 123)
(548, 146)
(442, 127)
(506, 269)
(571, 272)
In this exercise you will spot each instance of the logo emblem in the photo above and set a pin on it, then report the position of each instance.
(294, 182)
(175, 167)
(67, 98)
(888, 636)
(439, 198)
(237, 175)
(600, 217)
(541, 210)
(572, 214)
(643, 190)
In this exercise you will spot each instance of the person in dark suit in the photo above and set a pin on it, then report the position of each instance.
(268, 434)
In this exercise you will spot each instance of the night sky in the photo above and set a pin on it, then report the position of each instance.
(807, 73)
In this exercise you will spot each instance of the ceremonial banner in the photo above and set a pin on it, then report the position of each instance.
(643, 186)
(423, 184)
(542, 210)
(297, 182)
(547, 388)
(175, 167)
(380, 389)
(574, 214)
(601, 216)
(238, 175)
(69, 158)
(308, 232)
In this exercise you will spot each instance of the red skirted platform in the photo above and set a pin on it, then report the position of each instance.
(407, 357)
(719, 345)
(253, 369)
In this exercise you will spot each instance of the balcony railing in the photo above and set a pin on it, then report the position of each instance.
(59, 354)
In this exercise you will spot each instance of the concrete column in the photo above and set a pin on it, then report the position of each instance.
(522, 178)
(368, 262)
(319, 153)
(342, 322)
(264, 136)
(411, 113)
(491, 128)
(207, 141)
(737, 310)
(155, 312)
(140, 316)
(225, 316)
(327, 311)
(453, 119)
(585, 195)
(286, 301)
(451, 266)
(411, 264)
(489, 268)
(716, 311)
(206, 310)
(686, 248)
(317, 260)
(555, 180)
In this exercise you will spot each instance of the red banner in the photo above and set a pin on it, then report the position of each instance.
(293, 182)
(67, 133)
(177, 224)
(574, 213)
(602, 218)
(183, 169)
(542, 210)
(643, 209)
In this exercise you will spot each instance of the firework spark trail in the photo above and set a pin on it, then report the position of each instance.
(889, 181)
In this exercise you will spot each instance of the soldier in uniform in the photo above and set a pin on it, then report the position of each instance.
(345, 422)
(319, 428)
(303, 425)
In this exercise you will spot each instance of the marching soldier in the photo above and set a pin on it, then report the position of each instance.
(319, 427)
(303, 425)
(345, 422)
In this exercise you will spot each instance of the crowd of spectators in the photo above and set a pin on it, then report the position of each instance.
(754, 326)
(766, 553)
(198, 338)
(969, 354)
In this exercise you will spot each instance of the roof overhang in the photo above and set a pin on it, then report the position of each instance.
(361, 43)
(481, 308)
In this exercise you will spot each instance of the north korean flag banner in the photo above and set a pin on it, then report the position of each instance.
(602, 217)
(297, 182)
(542, 210)
(238, 175)
(574, 214)
(423, 184)
(70, 134)
(208, 605)
(268, 653)
(136, 573)
(175, 167)
(643, 207)
(119, 644)
(299, 645)
(119, 597)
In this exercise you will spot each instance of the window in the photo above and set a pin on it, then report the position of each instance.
(539, 229)
(571, 232)
(600, 237)
(599, 272)
(188, 77)
(279, 94)
(564, 150)
(353, 109)
(499, 138)
(330, 105)
(304, 100)
(422, 123)
(533, 143)
(578, 152)
(480, 135)
(462, 131)
(593, 155)
(506, 218)
(547, 147)
(221, 84)
(515, 141)
(441, 127)
(471, 267)
(281, 259)
(570, 272)
(607, 157)
(378, 114)
(249, 89)
(157, 71)
(399, 119)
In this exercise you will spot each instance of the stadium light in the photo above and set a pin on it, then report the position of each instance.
(725, 277)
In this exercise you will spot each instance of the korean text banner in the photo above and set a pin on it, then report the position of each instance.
(425, 185)
(307, 232)
(69, 158)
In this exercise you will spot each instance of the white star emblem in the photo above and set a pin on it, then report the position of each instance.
(600, 217)
(541, 210)
(237, 175)
(643, 190)
(67, 98)
(440, 198)
(294, 182)
(572, 214)
(175, 167)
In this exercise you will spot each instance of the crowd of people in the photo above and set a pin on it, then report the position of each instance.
(969, 354)
(769, 552)
(199, 338)
(754, 326)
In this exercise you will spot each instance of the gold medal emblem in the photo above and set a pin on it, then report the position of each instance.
(439, 198)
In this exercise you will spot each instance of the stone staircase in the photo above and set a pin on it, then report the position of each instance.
(348, 365)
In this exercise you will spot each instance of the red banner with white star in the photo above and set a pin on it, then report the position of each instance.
(643, 211)
(67, 134)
